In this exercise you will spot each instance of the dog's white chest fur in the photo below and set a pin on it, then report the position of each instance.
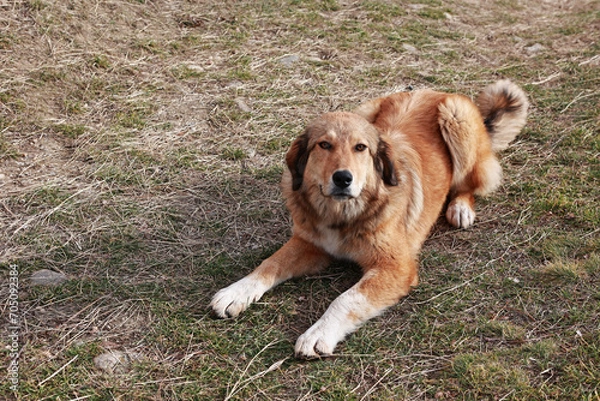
(331, 241)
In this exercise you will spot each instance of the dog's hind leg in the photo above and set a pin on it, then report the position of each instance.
(485, 177)
(296, 258)
(473, 138)
(475, 168)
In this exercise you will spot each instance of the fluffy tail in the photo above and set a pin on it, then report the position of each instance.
(503, 106)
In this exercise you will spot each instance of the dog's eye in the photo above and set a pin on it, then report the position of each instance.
(325, 145)
(360, 147)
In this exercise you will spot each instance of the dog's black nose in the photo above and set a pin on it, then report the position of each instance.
(342, 178)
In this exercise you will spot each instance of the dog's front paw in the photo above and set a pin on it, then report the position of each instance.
(318, 341)
(460, 213)
(233, 300)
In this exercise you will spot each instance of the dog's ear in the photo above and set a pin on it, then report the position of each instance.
(296, 159)
(384, 164)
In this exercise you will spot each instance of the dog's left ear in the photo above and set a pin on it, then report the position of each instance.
(384, 164)
(296, 159)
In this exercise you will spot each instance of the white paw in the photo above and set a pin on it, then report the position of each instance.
(460, 214)
(318, 341)
(345, 314)
(233, 300)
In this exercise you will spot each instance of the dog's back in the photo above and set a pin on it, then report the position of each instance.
(463, 135)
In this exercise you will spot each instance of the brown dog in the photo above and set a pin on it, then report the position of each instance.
(367, 186)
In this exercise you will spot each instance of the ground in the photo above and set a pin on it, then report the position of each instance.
(141, 145)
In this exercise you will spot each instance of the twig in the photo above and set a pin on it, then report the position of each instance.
(591, 233)
(166, 380)
(547, 79)
(577, 98)
(507, 395)
(241, 384)
(456, 287)
(372, 388)
(465, 283)
(63, 367)
(50, 212)
(188, 354)
(590, 60)
(92, 316)
(249, 380)
(85, 397)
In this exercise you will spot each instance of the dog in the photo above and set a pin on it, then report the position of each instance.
(368, 185)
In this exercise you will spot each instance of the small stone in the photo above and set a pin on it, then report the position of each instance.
(47, 277)
(115, 362)
(533, 49)
(195, 68)
(242, 105)
(409, 48)
(235, 84)
(289, 60)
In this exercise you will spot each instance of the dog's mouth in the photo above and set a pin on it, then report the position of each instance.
(337, 194)
(341, 197)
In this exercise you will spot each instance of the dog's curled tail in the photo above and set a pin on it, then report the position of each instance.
(503, 106)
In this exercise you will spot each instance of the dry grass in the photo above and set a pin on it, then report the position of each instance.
(141, 144)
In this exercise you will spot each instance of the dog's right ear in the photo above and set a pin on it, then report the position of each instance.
(296, 159)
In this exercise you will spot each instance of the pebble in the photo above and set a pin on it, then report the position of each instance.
(115, 362)
(47, 278)
(242, 105)
(289, 60)
(409, 48)
(533, 49)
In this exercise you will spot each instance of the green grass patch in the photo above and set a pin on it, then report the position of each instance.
(233, 153)
(70, 130)
(134, 115)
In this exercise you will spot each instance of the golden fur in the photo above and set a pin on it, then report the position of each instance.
(367, 186)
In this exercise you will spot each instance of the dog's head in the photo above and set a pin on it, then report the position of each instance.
(339, 158)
